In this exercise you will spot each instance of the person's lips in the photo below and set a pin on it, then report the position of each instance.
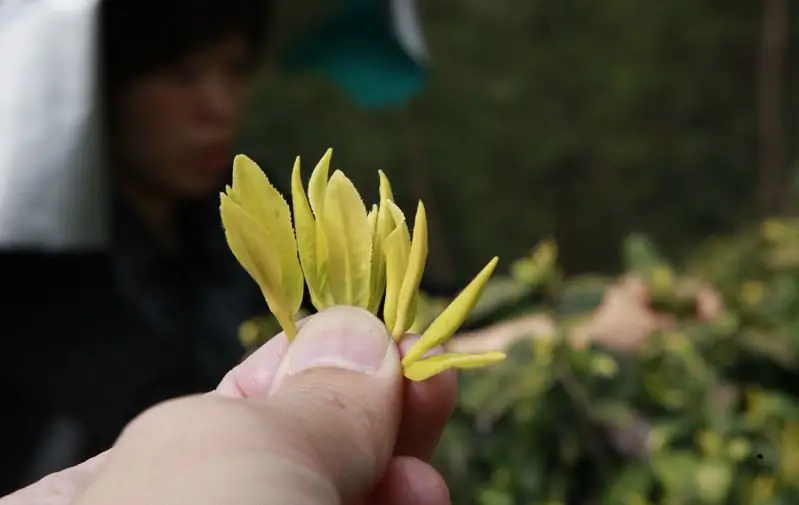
(215, 158)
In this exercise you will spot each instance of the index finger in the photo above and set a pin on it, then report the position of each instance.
(427, 409)
(60, 488)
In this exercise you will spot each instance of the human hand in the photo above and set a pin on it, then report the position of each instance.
(327, 420)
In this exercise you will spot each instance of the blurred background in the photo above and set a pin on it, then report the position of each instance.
(633, 164)
(586, 121)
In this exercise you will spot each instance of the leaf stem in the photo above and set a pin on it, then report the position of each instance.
(288, 325)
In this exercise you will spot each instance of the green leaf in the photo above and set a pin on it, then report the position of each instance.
(676, 470)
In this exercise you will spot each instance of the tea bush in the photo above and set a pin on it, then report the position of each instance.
(658, 387)
(701, 410)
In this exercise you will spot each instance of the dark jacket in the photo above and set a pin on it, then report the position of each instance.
(101, 337)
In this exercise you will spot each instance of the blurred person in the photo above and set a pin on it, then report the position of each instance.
(94, 338)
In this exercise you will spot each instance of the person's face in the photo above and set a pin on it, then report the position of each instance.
(174, 127)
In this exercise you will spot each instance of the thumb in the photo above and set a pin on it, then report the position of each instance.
(337, 397)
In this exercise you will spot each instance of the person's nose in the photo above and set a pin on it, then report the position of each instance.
(220, 103)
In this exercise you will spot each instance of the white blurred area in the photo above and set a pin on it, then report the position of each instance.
(51, 185)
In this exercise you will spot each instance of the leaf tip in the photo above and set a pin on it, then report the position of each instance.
(241, 161)
(385, 187)
(296, 173)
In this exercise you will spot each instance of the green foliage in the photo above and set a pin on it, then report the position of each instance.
(587, 120)
(705, 412)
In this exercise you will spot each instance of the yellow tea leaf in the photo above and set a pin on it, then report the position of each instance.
(317, 185)
(251, 245)
(417, 257)
(257, 253)
(377, 275)
(317, 188)
(448, 322)
(396, 252)
(428, 367)
(371, 217)
(307, 243)
(346, 255)
(385, 222)
(398, 217)
(266, 205)
(349, 242)
(385, 187)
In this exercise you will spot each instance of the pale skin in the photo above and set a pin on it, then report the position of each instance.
(347, 430)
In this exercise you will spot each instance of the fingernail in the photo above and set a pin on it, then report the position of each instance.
(347, 338)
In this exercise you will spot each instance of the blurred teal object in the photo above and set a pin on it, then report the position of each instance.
(374, 50)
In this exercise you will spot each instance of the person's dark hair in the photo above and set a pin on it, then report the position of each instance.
(140, 36)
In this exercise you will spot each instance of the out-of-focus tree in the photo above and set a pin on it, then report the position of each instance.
(586, 120)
